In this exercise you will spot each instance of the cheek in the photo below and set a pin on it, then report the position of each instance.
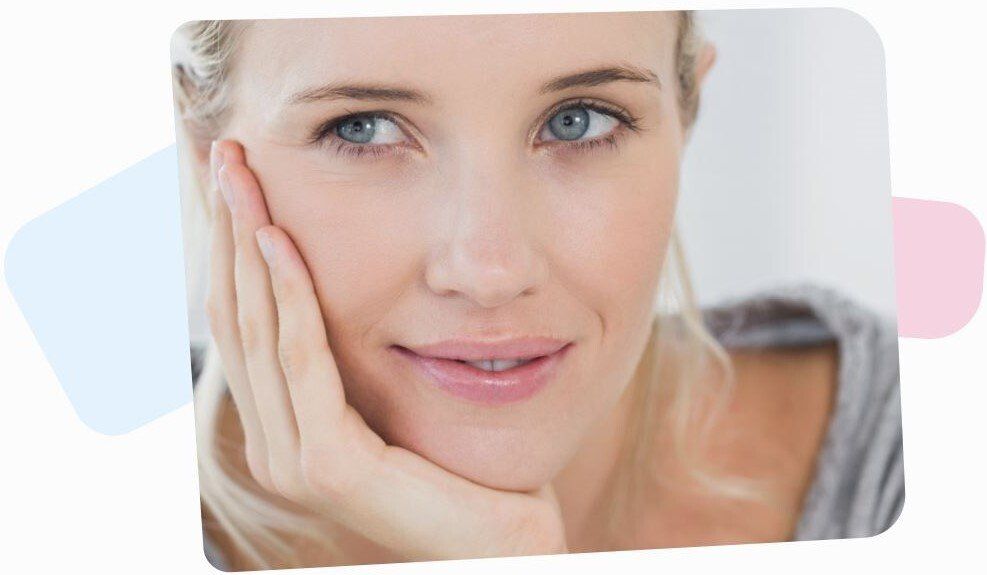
(603, 223)
(617, 220)
(362, 252)
(354, 230)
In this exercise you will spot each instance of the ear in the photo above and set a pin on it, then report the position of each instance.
(196, 151)
(705, 61)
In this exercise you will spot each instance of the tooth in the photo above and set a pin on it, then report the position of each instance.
(501, 365)
(497, 364)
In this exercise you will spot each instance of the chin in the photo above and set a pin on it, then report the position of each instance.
(500, 458)
(521, 448)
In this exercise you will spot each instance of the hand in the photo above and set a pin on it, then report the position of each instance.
(302, 440)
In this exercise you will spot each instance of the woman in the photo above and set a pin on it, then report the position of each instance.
(435, 246)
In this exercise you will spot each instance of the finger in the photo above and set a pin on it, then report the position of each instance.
(362, 483)
(257, 316)
(225, 331)
(314, 383)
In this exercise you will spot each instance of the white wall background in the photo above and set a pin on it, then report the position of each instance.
(787, 175)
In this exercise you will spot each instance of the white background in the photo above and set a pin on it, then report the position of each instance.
(786, 178)
(87, 93)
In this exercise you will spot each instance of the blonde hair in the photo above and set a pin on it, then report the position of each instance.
(263, 527)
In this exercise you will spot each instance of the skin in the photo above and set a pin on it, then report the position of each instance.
(467, 225)
(487, 236)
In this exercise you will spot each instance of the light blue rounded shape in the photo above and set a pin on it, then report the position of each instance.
(101, 281)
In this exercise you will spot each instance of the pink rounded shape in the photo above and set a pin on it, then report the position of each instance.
(939, 267)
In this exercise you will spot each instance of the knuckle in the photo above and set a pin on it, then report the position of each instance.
(534, 532)
(286, 483)
(250, 332)
(259, 468)
(519, 534)
(323, 474)
(294, 358)
(216, 311)
(288, 290)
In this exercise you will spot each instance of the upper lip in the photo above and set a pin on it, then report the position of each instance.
(476, 350)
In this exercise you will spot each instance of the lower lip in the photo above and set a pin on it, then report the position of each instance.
(488, 387)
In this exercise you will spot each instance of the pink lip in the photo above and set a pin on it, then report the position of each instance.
(486, 387)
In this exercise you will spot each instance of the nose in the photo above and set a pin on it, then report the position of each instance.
(489, 253)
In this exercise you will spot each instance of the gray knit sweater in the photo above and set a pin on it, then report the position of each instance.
(859, 486)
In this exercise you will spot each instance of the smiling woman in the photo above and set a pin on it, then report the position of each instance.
(439, 251)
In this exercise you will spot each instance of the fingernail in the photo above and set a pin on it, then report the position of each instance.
(226, 188)
(216, 160)
(266, 247)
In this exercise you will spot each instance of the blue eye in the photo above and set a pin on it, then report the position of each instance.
(569, 124)
(361, 129)
(584, 124)
(574, 122)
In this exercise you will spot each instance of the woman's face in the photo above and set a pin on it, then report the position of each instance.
(493, 194)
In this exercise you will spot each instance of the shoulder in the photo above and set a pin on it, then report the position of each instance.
(784, 396)
(770, 433)
(765, 437)
(820, 373)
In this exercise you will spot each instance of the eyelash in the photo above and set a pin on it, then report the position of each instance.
(325, 134)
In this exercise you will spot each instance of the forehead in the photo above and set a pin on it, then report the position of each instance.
(449, 55)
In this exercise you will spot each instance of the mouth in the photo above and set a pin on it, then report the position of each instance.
(495, 380)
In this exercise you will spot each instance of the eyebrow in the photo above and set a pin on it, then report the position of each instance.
(592, 77)
(359, 92)
(604, 75)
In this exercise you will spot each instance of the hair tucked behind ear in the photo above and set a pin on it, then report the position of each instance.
(264, 529)
(202, 58)
(687, 48)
